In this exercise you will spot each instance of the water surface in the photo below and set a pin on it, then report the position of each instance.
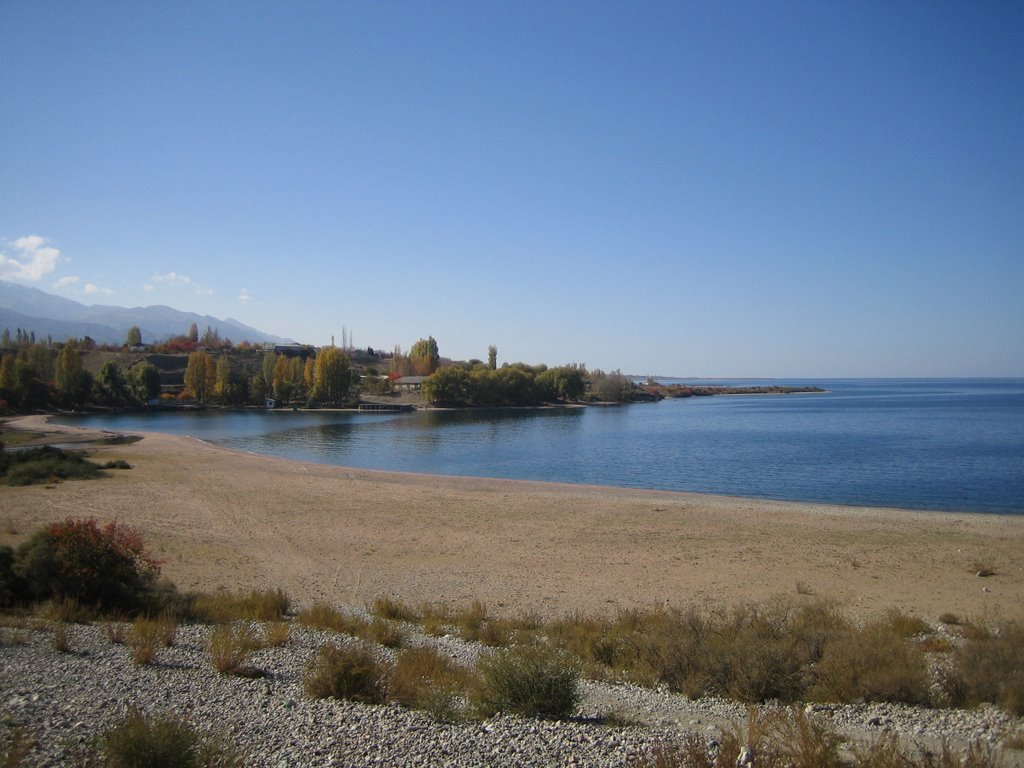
(922, 444)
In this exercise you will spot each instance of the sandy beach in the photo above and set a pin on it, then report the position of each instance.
(219, 518)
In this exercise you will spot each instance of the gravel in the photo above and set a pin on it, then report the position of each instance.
(64, 699)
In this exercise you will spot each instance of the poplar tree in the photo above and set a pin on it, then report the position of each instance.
(200, 376)
(333, 376)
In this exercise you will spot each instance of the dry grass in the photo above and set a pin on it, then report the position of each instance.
(277, 633)
(230, 647)
(394, 610)
(424, 678)
(144, 638)
(386, 633)
(989, 669)
(874, 663)
(116, 631)
(60, 638)
(323, 616)
(348, 672)
(224, 606)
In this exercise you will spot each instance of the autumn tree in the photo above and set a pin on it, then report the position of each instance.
(73, 381)
(193, 333)
(492, 357)
(222, 385)
(424, 356)
(134, 337)
(333, 376)
(200, 376)
(399, 363)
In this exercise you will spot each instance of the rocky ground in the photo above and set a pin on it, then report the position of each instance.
(63, 699)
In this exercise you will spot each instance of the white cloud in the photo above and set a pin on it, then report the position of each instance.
(173, 278)
(202, 290)
(66, 282)
(32, 259)
(244, 295)
(148, 287)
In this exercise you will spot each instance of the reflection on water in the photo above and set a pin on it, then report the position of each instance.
(928, 445)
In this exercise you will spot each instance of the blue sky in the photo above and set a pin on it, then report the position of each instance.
(789, 189)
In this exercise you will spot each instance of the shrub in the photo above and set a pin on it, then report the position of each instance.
(323, 616)
(528, 680)
(230, 647)
(348, 672)
(44, 465)
(989, 669)
(163, 741)
(871, 664)
(10, 584)
(104, 566)
(424, 678)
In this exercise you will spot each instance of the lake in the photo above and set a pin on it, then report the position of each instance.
(943, 444)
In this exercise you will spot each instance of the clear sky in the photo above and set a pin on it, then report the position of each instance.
(788, 189)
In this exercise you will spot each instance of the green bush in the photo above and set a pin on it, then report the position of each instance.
(106, 567)
(162, 741)
(44, 465)
(348, 672)
(527, 680)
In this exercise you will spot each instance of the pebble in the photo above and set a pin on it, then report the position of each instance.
(64, 699)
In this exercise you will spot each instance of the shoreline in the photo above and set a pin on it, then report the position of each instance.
(219, 517)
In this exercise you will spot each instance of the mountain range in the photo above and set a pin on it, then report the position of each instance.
(34, 310)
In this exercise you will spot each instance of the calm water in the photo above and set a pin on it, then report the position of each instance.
(924, 444)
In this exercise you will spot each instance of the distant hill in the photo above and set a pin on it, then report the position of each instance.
(47, 315)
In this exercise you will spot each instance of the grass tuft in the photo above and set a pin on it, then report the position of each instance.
(347, 672)
(230, 647)
(424, 678)
(224, 606)
(527, 680)
(323, 616)
(162, 741)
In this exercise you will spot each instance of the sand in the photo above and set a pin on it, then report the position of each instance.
(219, 518)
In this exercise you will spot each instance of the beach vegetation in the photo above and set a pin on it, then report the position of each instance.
(990, 669)
(45, 464)
(160, 741)
(277, 633)
(60, 637)
(144, 639)
(533, 680)
(387, 633)
(395, 610)
(230, 647)
(349, 671)
(425, 678)
(103, 566)
(226, 606)
(324, 616)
